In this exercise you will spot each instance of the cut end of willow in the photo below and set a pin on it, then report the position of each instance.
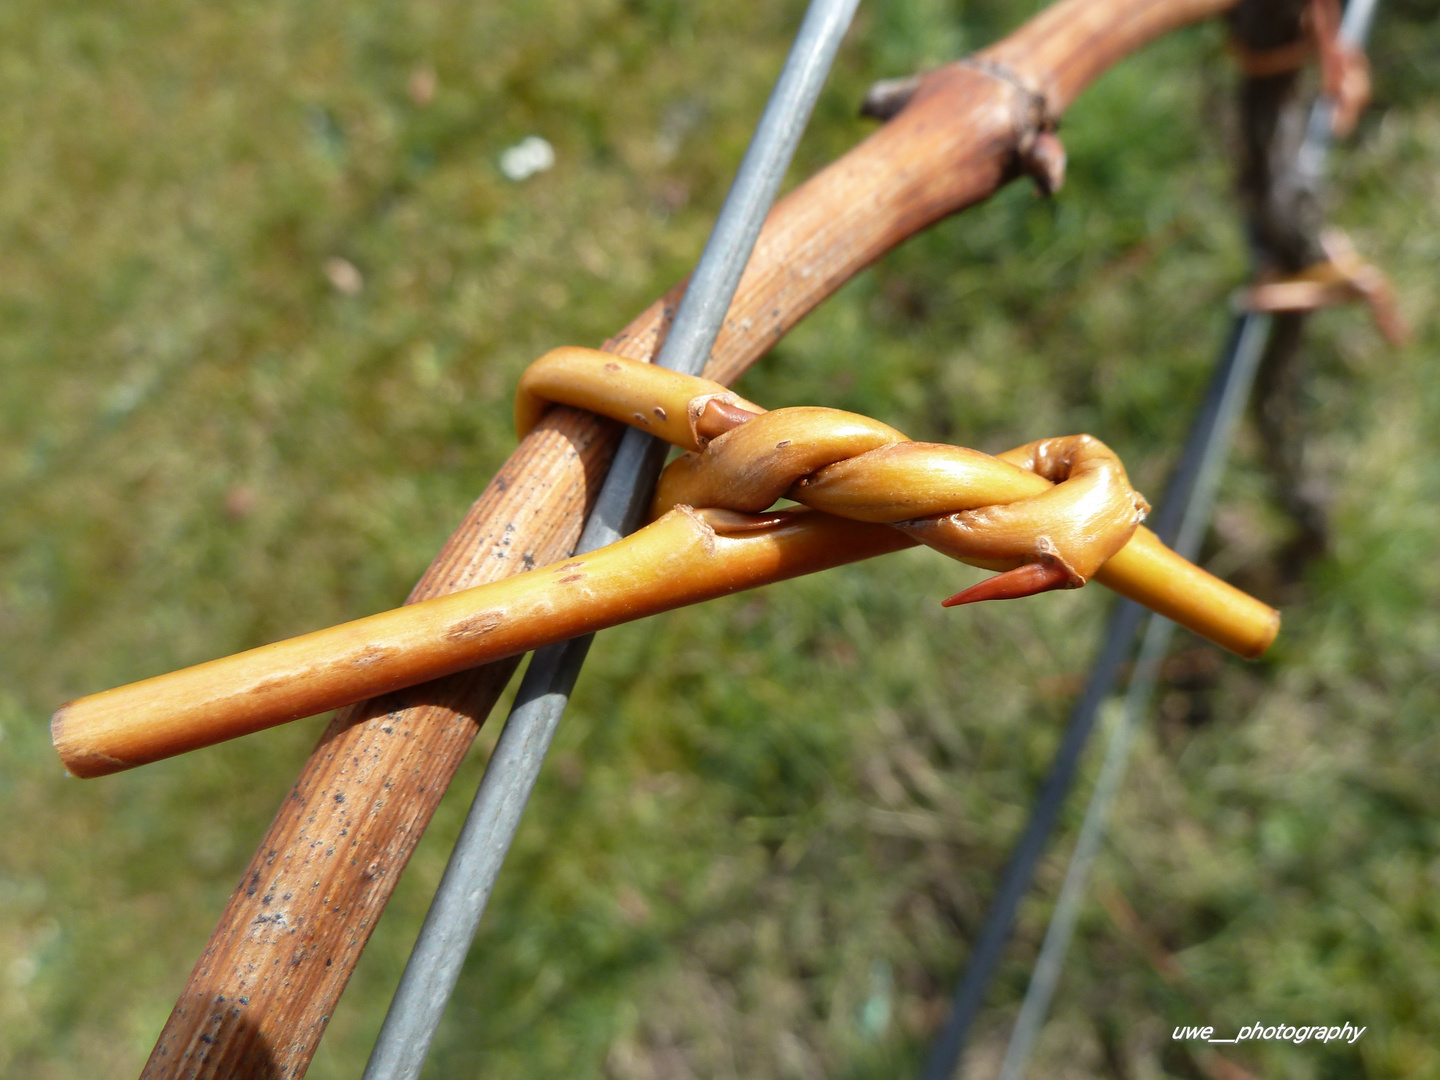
(79, 759)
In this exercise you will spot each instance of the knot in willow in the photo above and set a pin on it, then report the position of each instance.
(1050, 513)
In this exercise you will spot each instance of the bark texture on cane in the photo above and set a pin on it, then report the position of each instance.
(267, 982)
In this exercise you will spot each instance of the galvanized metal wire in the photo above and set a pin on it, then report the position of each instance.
(510, 776)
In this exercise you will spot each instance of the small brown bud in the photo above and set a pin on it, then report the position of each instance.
(1044, 162)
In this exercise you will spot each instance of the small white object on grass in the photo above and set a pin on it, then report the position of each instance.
(529, 156)
(344, 275)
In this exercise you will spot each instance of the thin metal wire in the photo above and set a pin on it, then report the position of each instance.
(450, 925)
(1253, 332)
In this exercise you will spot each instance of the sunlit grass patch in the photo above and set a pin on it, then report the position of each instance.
(264, 294)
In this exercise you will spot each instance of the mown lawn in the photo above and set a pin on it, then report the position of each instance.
(264, 296)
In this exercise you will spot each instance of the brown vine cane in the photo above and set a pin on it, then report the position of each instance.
(1050, 514)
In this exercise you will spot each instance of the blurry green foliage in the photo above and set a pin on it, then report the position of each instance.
(264, 293)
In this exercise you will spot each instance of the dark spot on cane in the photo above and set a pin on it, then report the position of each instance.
(473, 627)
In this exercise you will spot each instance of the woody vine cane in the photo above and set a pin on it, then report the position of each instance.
(952, 145)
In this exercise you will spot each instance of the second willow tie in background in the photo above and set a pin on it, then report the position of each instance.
(1049, 514)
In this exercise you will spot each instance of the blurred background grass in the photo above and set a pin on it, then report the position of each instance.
(264, 295)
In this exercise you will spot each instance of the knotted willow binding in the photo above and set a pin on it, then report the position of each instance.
(1049, 514)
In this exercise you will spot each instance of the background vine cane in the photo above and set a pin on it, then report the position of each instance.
(263, 990)
(1280, 178)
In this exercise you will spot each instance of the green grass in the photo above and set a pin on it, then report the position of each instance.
(770, 825)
